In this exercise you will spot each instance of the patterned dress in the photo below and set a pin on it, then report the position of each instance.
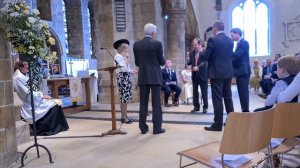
(124, 79)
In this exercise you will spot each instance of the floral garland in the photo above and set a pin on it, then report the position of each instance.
(28, 34)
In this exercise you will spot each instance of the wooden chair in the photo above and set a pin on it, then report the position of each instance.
(286, 125)
(162, 97)
(245, 133)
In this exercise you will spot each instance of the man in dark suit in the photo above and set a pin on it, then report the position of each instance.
(241, 67)
(199, 76)
(169, 82)
(266, 82)
(219, 57)
(148, 54)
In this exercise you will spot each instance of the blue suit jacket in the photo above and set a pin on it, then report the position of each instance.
(241, 62)
(166, 78)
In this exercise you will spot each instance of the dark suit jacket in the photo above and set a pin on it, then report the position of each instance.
(265, 71)
(219, 57)
(166, 78)
(241, 62)
(202, 65)
(148, 56)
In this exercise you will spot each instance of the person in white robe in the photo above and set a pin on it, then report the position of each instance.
(49, 116)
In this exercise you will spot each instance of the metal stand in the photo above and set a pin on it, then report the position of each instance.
(34, 126)
(114, 130)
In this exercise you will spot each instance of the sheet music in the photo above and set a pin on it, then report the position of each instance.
(234, 161)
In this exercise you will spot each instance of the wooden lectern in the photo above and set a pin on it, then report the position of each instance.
(114, 129)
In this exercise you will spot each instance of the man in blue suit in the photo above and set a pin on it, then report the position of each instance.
(169, 82)
(241, 67)
(218, 54)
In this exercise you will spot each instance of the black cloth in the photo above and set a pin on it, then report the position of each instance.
(51, 123)
(199, 78)
(242, 71)
(124, 81)
(168, 77)
(148, 56)
(218, 54)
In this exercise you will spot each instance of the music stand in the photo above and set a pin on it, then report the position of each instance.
(114, 130)
(34, 124)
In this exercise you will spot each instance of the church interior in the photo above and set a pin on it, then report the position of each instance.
(84, 33)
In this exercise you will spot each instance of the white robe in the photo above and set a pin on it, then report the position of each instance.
(41, 106)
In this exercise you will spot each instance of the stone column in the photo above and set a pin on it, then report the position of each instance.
(8, 143)
(175, 11)
(104, 38)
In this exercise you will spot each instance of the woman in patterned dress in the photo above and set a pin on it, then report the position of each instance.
(124, 77)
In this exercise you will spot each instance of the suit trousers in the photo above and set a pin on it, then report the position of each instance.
(221, 88)
(156, 107)
(242, 83)
(203, 86)
(168, 88)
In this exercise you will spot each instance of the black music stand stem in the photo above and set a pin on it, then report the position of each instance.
(114, 130)
(34, 124)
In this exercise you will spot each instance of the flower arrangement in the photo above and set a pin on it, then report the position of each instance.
(28, 34)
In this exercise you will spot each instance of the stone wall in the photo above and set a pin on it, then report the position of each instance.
(8, 144)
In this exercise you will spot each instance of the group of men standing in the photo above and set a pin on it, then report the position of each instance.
(217, 61)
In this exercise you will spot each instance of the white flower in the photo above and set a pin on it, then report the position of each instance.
(14, 14)
(35, 12)
(51, 40)
(26, 12)
(31, 20)
(31, 48)
(17, 7)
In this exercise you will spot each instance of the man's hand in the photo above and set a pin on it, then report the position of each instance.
(195, 68)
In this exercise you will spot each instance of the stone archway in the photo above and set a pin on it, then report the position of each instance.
(191, 26)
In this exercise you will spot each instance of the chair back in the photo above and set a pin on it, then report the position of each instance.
(247, 132)
(286, 121)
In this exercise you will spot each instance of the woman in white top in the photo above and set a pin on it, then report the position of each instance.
(124, 77)
(292, 90)
(187, 87)
(49, 116)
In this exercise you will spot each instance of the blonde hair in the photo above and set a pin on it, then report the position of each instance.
(122, 48)
(290, 64)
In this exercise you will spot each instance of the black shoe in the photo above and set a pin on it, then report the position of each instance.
(263, 95)
(194, 110)
(160, 132)
(126, 120)
(212, 129)
(167, 105)
(176, 103)
(204, 110)
(144, 131)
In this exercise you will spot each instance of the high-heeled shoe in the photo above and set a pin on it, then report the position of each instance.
(126, 120)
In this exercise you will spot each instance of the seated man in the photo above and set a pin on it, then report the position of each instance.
(266, 82)
(169, 83)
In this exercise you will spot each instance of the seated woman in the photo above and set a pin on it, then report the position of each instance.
(187, 87)
(256, 74)
(287, 68)
(293, 89)
(49, 116)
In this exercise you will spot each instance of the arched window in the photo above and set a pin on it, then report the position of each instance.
(252, 16)
(65, 26)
